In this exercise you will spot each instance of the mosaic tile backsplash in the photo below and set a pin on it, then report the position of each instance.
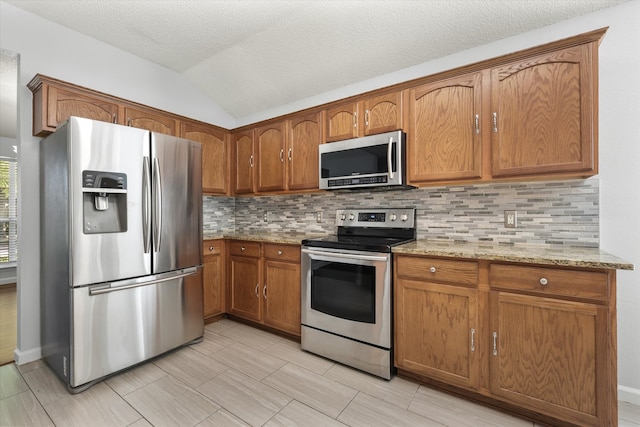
(549, 213)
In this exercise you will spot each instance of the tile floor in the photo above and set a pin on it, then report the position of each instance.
(240, 376)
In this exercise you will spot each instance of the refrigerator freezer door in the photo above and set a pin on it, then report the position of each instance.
(177, 203)
(120, 324)
(106, 164)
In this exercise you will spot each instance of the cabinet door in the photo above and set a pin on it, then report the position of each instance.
(214, 155)
(246, 292)
(305, 135)
(244, 162)
(435, 331)
(547, 355)
(383, 113)
(213, 290)
(270, 145)
(150, 121)
(342, 122)
(63, 104)
(443, 141)
(544, 113)
(281, 295)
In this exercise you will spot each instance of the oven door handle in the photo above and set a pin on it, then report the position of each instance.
(346, 256)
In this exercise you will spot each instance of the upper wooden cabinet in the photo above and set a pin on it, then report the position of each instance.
(243, 162)
(270, 159)
(543, 113)
(304, 137)
(215, 159)
(151, 121)
(443, 137)
(371, 115)
(54, 102)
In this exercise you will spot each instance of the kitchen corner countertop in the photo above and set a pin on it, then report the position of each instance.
(287, 238)
(563, 256)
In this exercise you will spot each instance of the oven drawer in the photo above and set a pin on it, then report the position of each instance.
(282, 252)
(437, 270)
(579, 284)
(244, 248)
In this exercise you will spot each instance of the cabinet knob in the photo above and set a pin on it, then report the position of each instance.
(279, 252)
(432, 269)
(243, 248)
(210, 248)
(544, 281)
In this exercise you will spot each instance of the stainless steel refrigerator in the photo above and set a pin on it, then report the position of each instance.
(121, 248)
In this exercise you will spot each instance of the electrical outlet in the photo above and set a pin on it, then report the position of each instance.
(265, 216)
(319, 216)
(510, 219)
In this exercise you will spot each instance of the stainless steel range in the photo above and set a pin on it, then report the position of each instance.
(347, 288)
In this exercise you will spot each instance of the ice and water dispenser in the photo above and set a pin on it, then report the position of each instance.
(104, 202)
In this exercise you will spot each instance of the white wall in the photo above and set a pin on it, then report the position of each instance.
(55, 51)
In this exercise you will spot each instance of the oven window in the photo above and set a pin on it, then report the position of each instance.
(344, 290)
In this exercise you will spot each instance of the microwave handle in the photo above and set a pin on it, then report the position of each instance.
(389, 165)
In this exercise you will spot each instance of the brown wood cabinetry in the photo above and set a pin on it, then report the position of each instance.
(544, 113)
(245, 292)
(553, 353)
(282, 287)
(150, 120)
(270, 159)
(304, 137)
(264, 281)
(213, 280)
(215, 158)
(371, 115)
(531, 338)
(436, 318)
(55, 101)
(243, 162)
(443, 137)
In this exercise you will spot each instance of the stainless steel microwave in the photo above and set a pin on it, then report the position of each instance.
(371, 161)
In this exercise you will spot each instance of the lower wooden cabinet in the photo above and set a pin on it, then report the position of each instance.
(436, 318)
(264, 284)
(533, 338)
(213, 280)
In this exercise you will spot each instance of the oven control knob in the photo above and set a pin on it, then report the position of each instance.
(393, 217)
(343, 217)
(352, 217)
(405, 217)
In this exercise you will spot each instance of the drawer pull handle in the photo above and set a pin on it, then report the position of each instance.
(243, 248)
(257, 287)
(432, 269)
(495, 343)
(279, 252)
(473, 339)
(544, 281)
(210, 248)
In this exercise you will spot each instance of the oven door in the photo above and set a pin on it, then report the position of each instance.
(347, 293)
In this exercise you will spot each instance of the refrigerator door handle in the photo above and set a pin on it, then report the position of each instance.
(157, 205)
(146, 206)
(130, 284)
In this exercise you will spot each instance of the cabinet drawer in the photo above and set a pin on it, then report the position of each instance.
(282, 252)
(212, 247)
(550, 281)
(239, 247)
(438, 270)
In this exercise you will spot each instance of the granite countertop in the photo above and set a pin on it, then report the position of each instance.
(290, 238)
(564, 256)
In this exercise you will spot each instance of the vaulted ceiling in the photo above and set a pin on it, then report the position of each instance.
(253, 55)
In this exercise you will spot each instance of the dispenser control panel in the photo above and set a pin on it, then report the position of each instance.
(99, 179)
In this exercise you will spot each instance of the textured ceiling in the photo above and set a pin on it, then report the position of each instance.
(250, 56)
